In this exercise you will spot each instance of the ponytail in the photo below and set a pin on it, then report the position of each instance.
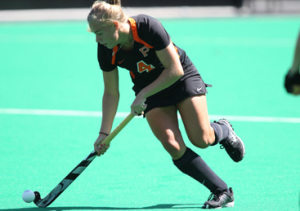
(107, 11)
(114, 2)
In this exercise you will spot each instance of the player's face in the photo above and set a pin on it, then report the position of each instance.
(106, 34)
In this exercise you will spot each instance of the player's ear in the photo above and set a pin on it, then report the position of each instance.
(116, 25)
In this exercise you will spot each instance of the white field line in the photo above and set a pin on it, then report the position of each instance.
(43, 112)
(80, 14)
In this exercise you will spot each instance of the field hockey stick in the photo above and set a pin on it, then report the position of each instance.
(77, 170)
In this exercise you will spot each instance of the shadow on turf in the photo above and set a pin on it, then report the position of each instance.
(158, 206)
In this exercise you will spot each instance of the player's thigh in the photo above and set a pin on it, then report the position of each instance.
(164, 125)
(194, 114)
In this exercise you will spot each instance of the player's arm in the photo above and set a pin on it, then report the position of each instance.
(110, 99)
(292, 78)
(296, 60)
(110, 103)
(172, 72)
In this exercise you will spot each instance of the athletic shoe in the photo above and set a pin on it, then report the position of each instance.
(233, 145)
(217, 201)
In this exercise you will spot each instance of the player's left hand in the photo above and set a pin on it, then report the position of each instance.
(292, 82)
(138, 106)
(99, 146)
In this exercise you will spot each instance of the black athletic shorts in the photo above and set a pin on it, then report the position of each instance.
(180, 90)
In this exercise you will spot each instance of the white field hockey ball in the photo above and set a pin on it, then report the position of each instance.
(28, 196)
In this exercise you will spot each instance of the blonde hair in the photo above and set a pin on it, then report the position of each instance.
(107, 11)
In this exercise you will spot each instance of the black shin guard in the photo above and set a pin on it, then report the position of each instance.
(193, 165)
(221, 132)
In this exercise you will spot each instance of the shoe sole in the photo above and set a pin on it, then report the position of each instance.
(243, 146)
(229, 204)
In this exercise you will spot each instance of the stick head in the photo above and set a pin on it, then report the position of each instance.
(37, 197)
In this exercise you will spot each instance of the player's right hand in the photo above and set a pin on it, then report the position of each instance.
(138, 106)
(99, 146)
(292, 82)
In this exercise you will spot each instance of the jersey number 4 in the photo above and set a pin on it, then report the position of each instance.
(142, 66)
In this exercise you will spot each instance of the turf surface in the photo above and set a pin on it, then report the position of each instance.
(52, 65)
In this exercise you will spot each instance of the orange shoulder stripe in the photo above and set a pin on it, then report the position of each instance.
(135, 34)
(132, 75)
(113, 59)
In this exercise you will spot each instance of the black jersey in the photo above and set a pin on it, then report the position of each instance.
(142, 62)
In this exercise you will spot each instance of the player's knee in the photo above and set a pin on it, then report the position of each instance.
(173, 148)
(200, 144)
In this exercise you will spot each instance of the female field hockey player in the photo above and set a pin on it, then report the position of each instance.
(165, 82)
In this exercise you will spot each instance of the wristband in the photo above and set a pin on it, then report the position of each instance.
(103, 133)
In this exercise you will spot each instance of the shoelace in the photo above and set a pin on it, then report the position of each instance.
(213, 196)
(225, 143)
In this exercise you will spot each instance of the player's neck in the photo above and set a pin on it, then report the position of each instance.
(126, 37)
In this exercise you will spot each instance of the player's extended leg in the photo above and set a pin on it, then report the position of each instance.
(203, 133)
(164, 124)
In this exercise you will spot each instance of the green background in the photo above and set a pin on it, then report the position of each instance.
(53, 65)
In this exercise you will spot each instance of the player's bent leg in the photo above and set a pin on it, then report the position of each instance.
(164, 125)
(203, 133)
(195, 118)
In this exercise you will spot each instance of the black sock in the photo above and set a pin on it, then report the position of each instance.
(221, 132)
(193, 165)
